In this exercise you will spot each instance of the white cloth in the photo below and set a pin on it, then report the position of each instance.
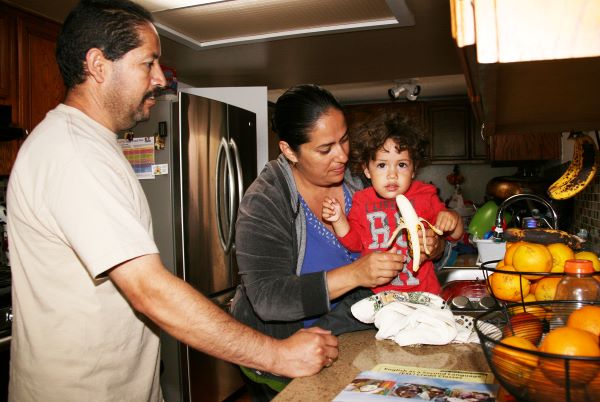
(414, 318)
(75, 210)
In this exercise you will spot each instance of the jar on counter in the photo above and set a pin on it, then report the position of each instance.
(578, 283)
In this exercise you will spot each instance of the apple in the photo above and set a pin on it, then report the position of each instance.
(525, 325)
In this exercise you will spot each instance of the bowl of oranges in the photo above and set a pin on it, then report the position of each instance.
(530, 272)
(554, 357)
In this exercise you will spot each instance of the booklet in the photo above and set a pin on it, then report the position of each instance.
(402, 383)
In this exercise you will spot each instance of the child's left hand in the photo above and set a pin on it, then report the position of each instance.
(446, 221)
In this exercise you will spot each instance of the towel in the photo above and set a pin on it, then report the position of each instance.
(414, 318)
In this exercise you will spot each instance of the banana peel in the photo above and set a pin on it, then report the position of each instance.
(580, 172)
(543, 236)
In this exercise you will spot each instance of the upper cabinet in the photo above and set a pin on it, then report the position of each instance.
(448, 125)
(531, 66)
(30, 81)
(41, 87)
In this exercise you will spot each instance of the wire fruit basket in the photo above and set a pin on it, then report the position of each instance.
(522, 285)
(529, 374)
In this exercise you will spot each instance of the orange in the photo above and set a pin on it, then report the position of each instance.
(510, 251)
(546, 288)
(513, 365)
(570, 342)
(508, 287)
(537, 311)
(525, 325)
(540, 388)
(532, 257)
(588, 255)
(560, 253)
(586, 318)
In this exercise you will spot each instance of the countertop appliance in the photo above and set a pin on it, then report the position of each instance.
(210, 159)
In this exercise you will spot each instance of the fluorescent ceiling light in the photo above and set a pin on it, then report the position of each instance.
(177, 36)
(172, 4)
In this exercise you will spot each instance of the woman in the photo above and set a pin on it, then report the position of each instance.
(293, 269)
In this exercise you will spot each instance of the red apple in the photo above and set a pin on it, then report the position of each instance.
(525, 325)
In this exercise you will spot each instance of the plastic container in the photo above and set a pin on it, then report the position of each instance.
(490, 250)
(578, 284)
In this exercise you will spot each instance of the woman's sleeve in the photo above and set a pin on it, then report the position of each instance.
(265, 251)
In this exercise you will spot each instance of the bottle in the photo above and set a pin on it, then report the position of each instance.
(578, 283)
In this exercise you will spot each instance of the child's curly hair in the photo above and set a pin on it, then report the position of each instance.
(368, 138)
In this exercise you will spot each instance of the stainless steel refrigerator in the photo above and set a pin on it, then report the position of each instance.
(210, 153)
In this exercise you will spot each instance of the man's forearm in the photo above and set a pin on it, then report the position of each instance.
(190, 317)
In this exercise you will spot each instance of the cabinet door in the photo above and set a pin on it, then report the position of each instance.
(448, 129)
(41, 86)
(525, 147)
(6, 52)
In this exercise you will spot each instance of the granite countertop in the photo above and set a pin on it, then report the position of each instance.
(360, 351)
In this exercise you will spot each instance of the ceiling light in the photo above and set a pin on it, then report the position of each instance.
(158, 5)
(409, 90)
(238, 40)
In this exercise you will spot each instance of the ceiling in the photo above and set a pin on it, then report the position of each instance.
(356, 48)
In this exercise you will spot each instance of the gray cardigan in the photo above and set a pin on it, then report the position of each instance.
(270, 244)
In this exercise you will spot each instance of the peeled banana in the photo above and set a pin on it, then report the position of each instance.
(580, 172)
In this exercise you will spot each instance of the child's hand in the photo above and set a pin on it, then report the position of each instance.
(332, 210)
(450, 222)
(446, 221)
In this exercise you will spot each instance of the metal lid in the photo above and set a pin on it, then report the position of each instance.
(460, 302)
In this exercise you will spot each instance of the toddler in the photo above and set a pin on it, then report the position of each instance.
(389, 155)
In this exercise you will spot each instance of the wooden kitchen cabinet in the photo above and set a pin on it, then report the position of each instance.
(7, 52)
(448, 124)
(41, 87)
(452, 132)
(530, 147)
(30, 81)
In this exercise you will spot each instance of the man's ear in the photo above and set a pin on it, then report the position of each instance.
(288, 152)
(96, 64)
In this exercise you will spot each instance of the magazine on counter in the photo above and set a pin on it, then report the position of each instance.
(402, 383)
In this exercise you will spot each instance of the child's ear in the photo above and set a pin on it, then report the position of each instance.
(366, 172)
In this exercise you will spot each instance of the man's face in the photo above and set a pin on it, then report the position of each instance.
(133, 80)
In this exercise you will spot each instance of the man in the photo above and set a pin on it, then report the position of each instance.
(89, 289)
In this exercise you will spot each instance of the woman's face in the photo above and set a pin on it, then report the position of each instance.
(322, 160)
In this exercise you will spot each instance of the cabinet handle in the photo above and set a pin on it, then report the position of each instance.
(481, 132)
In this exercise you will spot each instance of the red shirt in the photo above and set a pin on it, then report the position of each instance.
(373, 219)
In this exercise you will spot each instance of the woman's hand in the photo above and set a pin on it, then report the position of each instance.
(435, 245)
(374, 269)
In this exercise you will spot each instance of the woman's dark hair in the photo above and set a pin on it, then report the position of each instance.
(369, 138)
(109, 25)
(297, 111)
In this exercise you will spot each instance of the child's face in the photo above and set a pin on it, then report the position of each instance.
(391, 172)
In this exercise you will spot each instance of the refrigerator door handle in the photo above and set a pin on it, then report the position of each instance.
(226, 243)
(240, 176)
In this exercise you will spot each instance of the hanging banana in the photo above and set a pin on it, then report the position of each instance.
(580, 172)
(410, 221)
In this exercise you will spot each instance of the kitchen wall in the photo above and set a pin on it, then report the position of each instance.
(586, 214)
(476, 178)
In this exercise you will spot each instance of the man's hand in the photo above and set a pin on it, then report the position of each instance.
(305, 353)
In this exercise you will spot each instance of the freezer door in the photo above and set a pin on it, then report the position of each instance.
(242, 143)
(203, 127)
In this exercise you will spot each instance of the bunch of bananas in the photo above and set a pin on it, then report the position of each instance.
(580, 172)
